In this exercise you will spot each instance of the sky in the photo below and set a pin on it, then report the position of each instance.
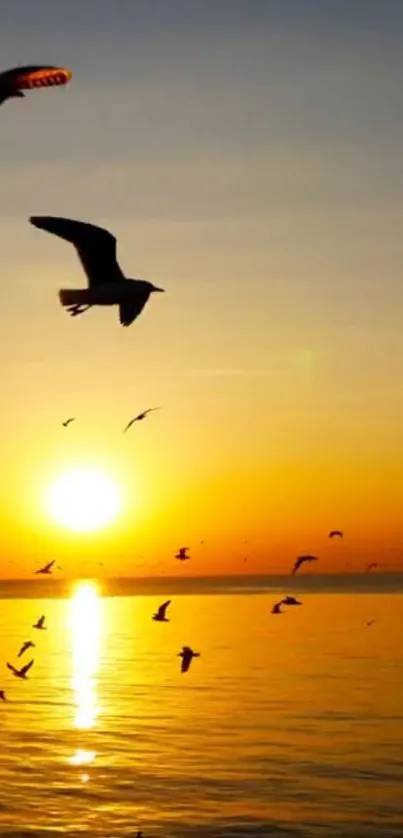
(247, 155)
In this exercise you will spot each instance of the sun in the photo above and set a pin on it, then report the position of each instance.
(84, 499)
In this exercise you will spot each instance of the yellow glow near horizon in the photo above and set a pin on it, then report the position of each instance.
(84, 499)
(86, 628)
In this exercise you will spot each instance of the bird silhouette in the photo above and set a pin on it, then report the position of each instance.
(334, 533)
(107, 286)
(68, 421)
(160, 614)
(182, 554)
(2, 695)
(277, 608)
(371, 622)
(14, 81)
(139, 417)
(47, 569)
(20, 673)
(187, 654)
(290, 600)
(40, 624)
(301, 560)
(27, 645)
(371, 566)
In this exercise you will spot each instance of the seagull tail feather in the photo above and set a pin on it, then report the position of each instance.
(73, 296)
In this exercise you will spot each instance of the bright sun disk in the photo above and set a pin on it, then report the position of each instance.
(84, 499)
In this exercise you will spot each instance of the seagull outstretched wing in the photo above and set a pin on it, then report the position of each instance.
(162, 609)
(95, 246)
(13, 81)
(40, 623)
(130, 309)
(47, 568)
(160, 613)
(301, 560)
(187, 654)
(24, 647)
(26, 668)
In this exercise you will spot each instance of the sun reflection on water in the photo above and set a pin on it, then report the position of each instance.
(86, 629)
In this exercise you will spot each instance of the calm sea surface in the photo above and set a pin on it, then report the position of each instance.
(288, 725)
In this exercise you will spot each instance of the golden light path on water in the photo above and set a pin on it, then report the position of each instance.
(85, 621)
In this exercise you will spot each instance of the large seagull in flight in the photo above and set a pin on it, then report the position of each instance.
(107, 286)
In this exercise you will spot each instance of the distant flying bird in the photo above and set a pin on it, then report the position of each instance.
(333, 534)
(160, 614)
(290, 600)
(371, 622)
(187, 654)
(182, 554)
(277, 608)
(3, 695)
(68, 421)
(14, 81)
(372, 565)
(301, 560)
(107, 286)
(27, 645)
(20, 673)
(47, 569)
(139, 417)
(40, 624)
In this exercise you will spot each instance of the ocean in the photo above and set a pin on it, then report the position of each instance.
(286, 725)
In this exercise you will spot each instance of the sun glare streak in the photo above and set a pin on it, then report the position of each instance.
(86, 629)
(82, 757)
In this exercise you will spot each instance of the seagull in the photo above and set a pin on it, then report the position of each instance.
(47, 569)
(333, 534)
(27, 645)
(371, 622)
(187, 654)
(370, 566)
(40, 624)
(68, 421)
(20, 673)
(277, 608)
(181, 554)
(107, 286)
(300, 560)
(139, 417)
(160, 614)
(13, 81)
(3, 695)
(290, 600)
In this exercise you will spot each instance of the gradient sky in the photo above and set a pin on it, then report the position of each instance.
(248, 157)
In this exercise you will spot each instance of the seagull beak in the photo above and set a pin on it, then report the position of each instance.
(162, 290)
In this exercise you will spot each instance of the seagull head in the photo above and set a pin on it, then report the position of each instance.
(146, 286)
(17, 94)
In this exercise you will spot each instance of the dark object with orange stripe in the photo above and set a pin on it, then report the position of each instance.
(14, 81)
